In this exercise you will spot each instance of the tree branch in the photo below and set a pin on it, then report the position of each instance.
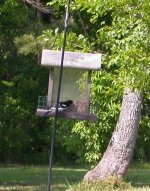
(39, 6)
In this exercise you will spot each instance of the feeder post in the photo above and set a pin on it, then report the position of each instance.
(58, 96)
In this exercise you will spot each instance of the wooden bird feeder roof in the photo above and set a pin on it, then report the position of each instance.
(85, 61)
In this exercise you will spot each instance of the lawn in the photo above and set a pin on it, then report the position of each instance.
(34, 178)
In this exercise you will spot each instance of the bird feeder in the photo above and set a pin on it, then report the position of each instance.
(75, 85)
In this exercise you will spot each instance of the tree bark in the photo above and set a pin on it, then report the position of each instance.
(39, 6)
(118, 155)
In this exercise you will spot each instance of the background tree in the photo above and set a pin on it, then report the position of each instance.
(127, 41)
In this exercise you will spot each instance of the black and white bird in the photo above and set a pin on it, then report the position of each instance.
(62, 106)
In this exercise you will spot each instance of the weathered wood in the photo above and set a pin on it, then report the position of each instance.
(68, 115)
(50, 87)
(86, 61)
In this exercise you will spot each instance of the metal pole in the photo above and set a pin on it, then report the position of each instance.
(58, 96)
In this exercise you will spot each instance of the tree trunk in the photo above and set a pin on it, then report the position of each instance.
(119, 152)
(38, 2)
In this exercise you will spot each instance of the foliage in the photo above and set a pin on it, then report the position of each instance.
(123, 34)
(120, 29)
(126, 40)
(19, 88)
(103, 103)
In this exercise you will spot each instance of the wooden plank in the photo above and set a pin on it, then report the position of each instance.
(50, 87)
(86, 61)
(68, 115)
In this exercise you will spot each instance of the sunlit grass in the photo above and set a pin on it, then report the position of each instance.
(34, 178)
(22, 178)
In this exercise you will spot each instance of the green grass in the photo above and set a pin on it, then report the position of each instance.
(31, 178)
(139, 175)
(34, 178)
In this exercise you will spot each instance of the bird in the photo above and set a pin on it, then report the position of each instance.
(62, 106)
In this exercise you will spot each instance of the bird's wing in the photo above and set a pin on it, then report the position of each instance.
(63, 105)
